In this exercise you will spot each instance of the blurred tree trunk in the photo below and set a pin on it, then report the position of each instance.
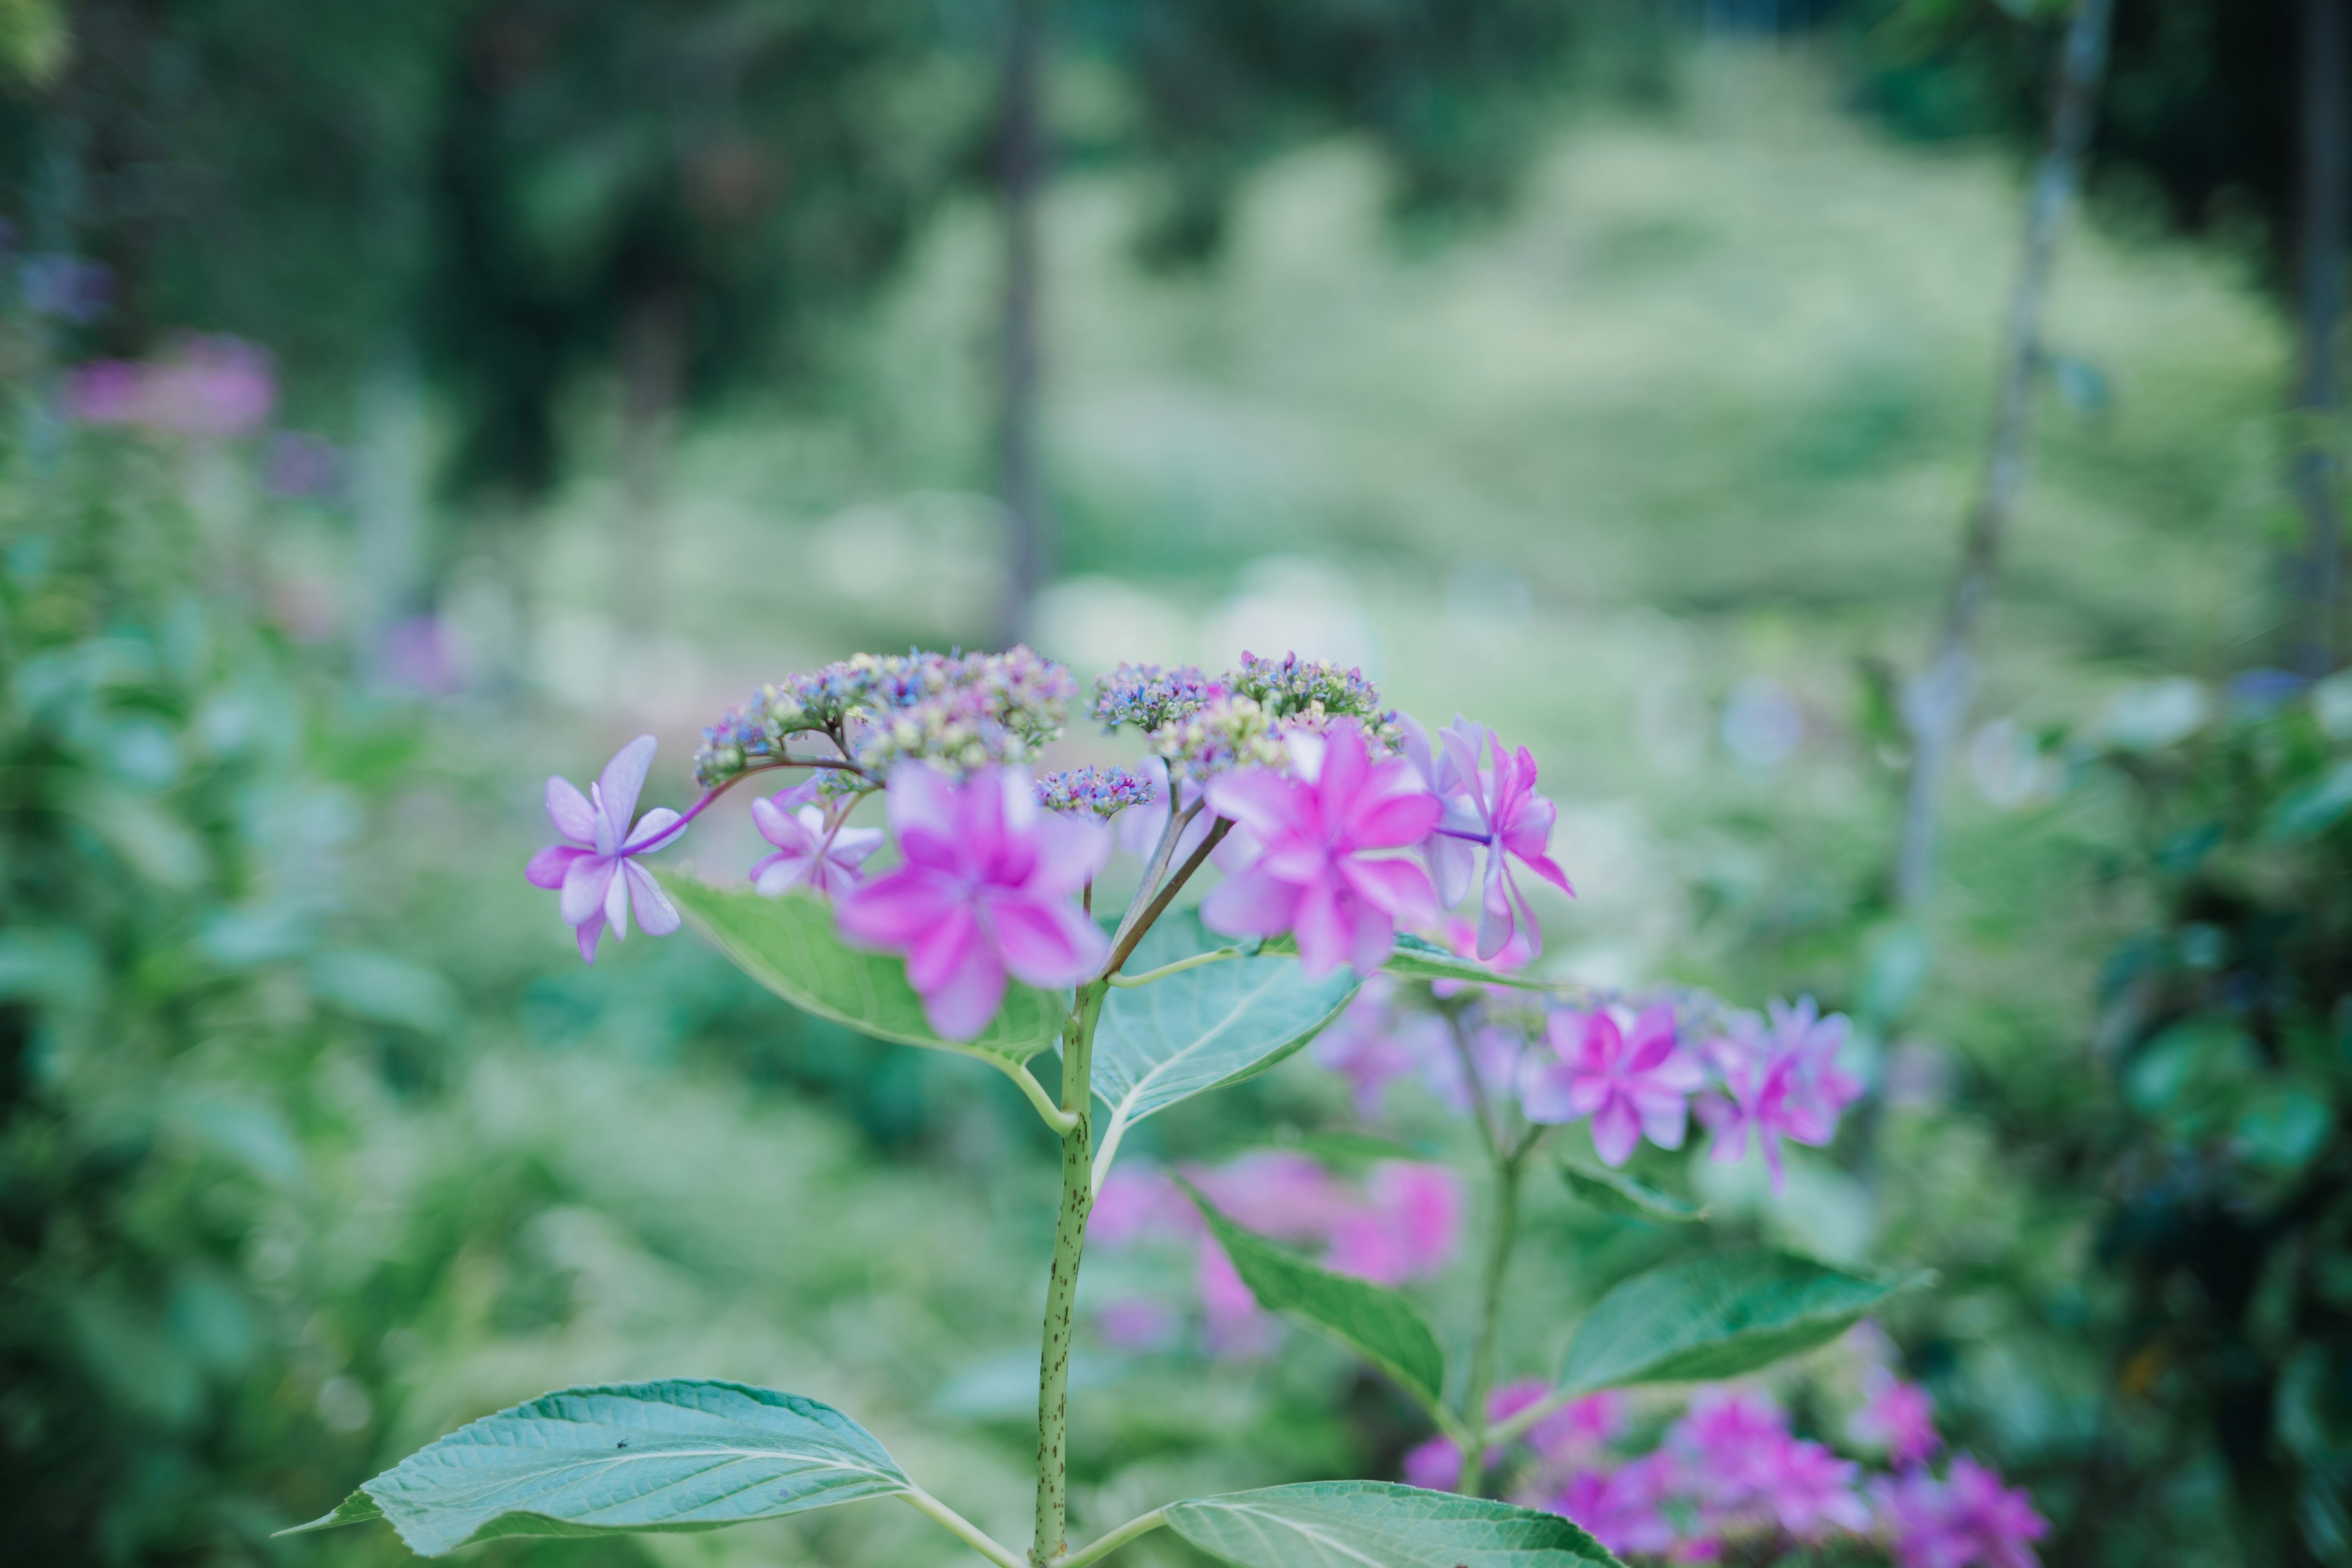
(653, 365)
(1935, 702)
(1022, 175)
(2326, 227)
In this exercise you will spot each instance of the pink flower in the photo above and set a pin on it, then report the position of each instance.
(596, 869)
(1237, 1327)
(1137, 1323)
(1896, 1416)
(1408, 1231)
(1364, 1044)
(214, 387)
(986, 888)
(1510, 818)
(1581, 1428)
(1967, 1521)
(806, 855)
(1812, 1491)
(1620, 1509)
(1315, 875)
(1784, 1083)
(1632, 1089)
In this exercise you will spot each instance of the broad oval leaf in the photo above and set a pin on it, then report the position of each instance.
(673, 1456)
(1201, 1028)
(1713, 1317)
(1613, 1192)
(789, 946)
(1358, 1524)
(1376, 1323)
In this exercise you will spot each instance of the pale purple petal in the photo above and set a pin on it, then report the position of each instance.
(894, 910)
(851, 845)
(964, 998)
(922, 805)
(1045, 943)
(1452, 867)
(570, 811)
(1259, 799)
(1071, 851)
(590, 932)
(775, 875)
(547, 867)
(616, 900)
(586, 884)
(657, 916)
(1252, 904)
(623, 779)
(650, 829)
(1615, 1131)
(783, 830)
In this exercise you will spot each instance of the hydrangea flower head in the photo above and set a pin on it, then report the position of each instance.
(1098, 791)
(1311, 693)
(808, 854)
(1968, 1520)
(986, 889)
(595, 867)
(1150, 698)
(1896, 1416)
(1317, 874)
(1436, 1465)
(1629, 1075)
(1623, 1509)
(1222, 734)
(1780, 1083)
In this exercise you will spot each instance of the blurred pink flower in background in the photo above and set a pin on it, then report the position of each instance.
(1783, 1081)
(1633, 1082)
(1968, 1520)
(1896, 1416)
(806, 855)
(211, 387)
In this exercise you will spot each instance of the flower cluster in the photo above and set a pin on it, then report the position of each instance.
(1310, 692)
(1404, 1222)
(1150, 698)
(1730, 1480)
(956, 712)
(1222, 734)
(1104, 792)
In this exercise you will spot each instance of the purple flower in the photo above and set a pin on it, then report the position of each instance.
(1496, 804)
(1631, 1087)
(1148, 696)
(1810, 1490)
(1897, 1416)
(808, 854)
(596, 869)
(1315, 875)
(1620, 1508)
(1409, 1229)
(1967, 1521)
(1783, 1082)
(1580, 1429)
(986, 888)
(1089, 791)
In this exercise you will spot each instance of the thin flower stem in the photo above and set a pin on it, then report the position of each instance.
(1055, 1117)
(713, 794)
(1508, 1169)
(1062, 1285)
(963, 1528)
(1122, 950)
(1113, 1541)
(1217, 955)
(1165, 851)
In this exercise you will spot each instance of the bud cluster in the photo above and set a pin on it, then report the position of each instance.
(1105, 792)
(1228, 732)
(957, 712)
(1309, 693)
(1150, 698)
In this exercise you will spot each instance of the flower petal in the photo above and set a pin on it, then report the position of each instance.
(892, 912)
(1254, 903)
(586, 884)
(1615, 1131)
(657, 916)
(782, 829)
(851, 845)
(1260, 799)
(653, 829)
(1046, 942)
(570, 811)
(623, 779)
(547, 867)
(960, 1002)
(616, 900)
(775, 875)
(589, 933)
(922, 805)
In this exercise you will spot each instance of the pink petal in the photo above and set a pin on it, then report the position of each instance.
(783, 830)
(1665, 1118)
(922, 810)
(963, 999)
(1325, 937)
(657, 916)
(570, 811)
(1463, 740)
(1615, 1133)
(1045, 942)
(585, 885)
(623, 779)
(1391, 810)
(1260, 799)
(547, 867)
(892, 912)
(1548, 1095)
(589, 933)
(1070, 852)
(1397, 888)
(1252, 904)
(943, 948)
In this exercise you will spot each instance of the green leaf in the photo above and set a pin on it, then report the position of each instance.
(789, 946)
(1378, 1524)
(1613, 1192)
(1717, 1316)
(1416, 958)
(1378, 1324)
(1202, 1028)
(672, 1455)
(2308, 811)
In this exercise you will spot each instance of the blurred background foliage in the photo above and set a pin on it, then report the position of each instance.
(1618, 372)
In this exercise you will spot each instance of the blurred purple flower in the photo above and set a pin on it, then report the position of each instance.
(1579, 1430)
(595, 869)
(211, 387)
(297, 463)
(65, 287)
(1967, 1521)
(1633, 1084)
(1621, 1509)
(1315, 874)
(1896, 1416)
(1436, 1465)
(1782, 1083)
(806, 855)
(986, 888)
(1495, 1055)
(1412, 1225)
(1137, 1323)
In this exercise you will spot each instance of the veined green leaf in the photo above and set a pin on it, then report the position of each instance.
(789, 946)
(1417, 958)
(1378, 1524)
(1613, 1192)
(674, 1455)
(1717, 1316)
(1376, 1323)
(1201, 1028)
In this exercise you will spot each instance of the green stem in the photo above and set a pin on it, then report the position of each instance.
(963, 1528)
(1114, 1541)
(1055, 1117)
(1518, 1426)
(1215, 955)
(1061, 1287)
(1508, 1169)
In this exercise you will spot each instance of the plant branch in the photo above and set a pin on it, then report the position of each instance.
(1508, 1171)
(1470, 1079)
(1113, 1541)
(1217, 955)
(963, 1528)
(1161, 853)
(1124, 947)
(1055, 1117)
(1062, 1285)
